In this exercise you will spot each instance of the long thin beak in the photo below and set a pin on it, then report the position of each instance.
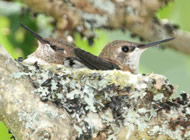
(34, 34)
(143, 46)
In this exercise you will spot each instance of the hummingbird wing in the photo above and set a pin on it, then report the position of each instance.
(94, 62)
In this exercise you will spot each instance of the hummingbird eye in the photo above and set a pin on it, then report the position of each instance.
(125, 48)
(60, 50)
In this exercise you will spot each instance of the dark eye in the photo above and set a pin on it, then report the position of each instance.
(125, 49)
(61, 50)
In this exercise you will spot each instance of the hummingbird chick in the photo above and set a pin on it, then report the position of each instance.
(50, 50)
(125, 54)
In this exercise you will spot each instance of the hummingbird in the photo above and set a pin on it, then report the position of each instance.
(125, 55)
(50, 50)
(118, 54)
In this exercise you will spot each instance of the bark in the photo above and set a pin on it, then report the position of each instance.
(54, 102)
(136, 16)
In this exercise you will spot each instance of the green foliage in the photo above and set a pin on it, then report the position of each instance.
(97, 46)
(178, 13)
(12, 36)
(4, 135)
(172, 64)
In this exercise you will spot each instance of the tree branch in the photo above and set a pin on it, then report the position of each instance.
(53, 102)
(137, 16)
(22, 111)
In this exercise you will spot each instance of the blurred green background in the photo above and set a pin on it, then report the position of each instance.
(172, 64)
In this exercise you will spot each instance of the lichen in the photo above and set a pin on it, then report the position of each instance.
(158, 97)
(105, 5)
(19, 74)
(119, 99)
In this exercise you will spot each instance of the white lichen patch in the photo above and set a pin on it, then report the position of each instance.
(94, 121)
(19, 74)
(105, 5)
(142, 110)
(188, 111)
(155, 129)
(100, 20)
(133, 117)
(53, 85)
(131, 11)
(26, 119)
(89, 98)
(62, 116)
(158, 97)
(73, 94)
(78, 129)
(174, 134)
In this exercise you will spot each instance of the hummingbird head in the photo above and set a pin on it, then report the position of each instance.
(127, 54)
(50, 50)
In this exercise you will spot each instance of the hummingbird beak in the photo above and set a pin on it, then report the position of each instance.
(35, 34)
(144, 46)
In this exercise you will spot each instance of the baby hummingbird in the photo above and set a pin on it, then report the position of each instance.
(125, 54)
(50, 50)
(118, 54)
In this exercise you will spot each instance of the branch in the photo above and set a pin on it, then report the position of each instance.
(137, 16)
(53, 102)
(22, 111)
